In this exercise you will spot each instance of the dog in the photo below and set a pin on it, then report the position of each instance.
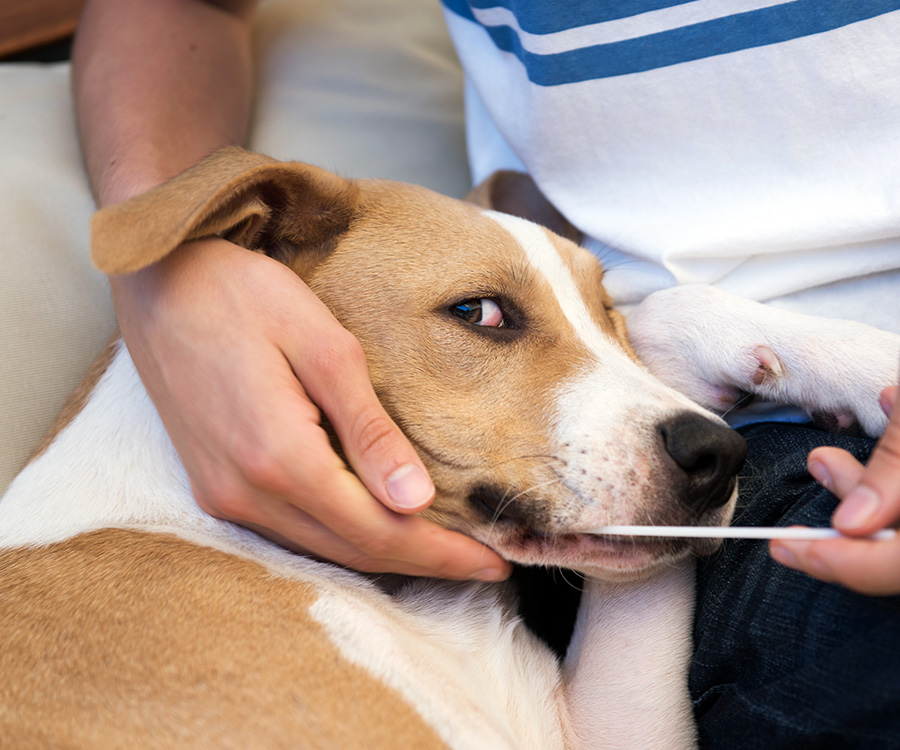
(130, 618)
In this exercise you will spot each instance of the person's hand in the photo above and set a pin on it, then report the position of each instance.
(870, 500)
(238, 356)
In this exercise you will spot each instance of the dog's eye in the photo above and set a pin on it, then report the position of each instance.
(480, 312)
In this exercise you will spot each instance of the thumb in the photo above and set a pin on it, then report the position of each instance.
(378, 451)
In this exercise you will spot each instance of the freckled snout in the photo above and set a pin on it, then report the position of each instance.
(707, 454)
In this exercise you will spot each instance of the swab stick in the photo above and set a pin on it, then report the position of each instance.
(735, 532)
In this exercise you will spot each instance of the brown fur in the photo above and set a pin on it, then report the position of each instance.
(247, 198)
(481, 415)
(123, 639)
(476, 405)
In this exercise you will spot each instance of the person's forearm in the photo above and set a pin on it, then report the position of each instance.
(158, 85)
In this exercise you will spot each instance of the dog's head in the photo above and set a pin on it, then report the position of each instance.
(491, 342)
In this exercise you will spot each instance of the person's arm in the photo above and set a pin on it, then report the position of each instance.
(158, 86)
(870, 500)
(235, 351)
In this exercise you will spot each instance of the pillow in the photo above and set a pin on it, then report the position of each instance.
(367, 88)
(55, 310)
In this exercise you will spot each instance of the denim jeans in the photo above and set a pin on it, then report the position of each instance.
(783, 660)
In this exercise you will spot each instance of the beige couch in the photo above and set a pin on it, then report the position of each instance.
(363, 87)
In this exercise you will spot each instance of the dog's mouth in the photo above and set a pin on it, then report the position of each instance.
(523, 535)
(600, 555)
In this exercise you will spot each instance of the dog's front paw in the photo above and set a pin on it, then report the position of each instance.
(752, 370)
(723, 351)
(836, 397)
(694, 340)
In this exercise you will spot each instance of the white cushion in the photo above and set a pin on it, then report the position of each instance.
(362, 87)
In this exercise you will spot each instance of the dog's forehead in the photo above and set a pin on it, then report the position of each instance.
(574, 278)
(437, 244)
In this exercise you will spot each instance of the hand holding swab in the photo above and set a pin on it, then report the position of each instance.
(870, 499)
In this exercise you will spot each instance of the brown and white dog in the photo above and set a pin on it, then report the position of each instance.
(130, 618)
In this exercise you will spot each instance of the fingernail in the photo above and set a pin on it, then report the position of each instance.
(492, 575)
(820, 473)
(409, 487)
(783, 555)
(886, 404)
(857, 508)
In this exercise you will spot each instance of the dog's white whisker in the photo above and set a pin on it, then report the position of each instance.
(496, 517)
(505, 503)
(734, 532)
(564, 573)
(554, 480)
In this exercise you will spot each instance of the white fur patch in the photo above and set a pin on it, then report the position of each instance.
(453, 652)
(114, 466)
(546, 260)
(607, 410)
(472, 672)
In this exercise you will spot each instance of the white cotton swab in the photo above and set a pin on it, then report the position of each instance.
(735, 532)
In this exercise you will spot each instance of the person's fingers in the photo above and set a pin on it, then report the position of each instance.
(870, 500)
(869, 567)
(293, 489)
(376, 448)
(408, 545)
(330, 364)
(317, 506)
(835, 469)
(875, 502)
(870, 495)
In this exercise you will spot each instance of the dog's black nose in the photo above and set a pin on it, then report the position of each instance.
(708, 453)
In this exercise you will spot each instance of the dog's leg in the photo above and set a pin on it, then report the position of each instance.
(716, 348)
(626, 669)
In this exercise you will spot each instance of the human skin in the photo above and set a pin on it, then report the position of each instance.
(239, 357)
(870, 500)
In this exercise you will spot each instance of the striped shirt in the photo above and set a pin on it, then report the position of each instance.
(749, 144)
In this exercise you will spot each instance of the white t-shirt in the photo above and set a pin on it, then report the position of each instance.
(749, 144)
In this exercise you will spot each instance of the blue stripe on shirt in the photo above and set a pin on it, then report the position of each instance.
(544, 17)
(757, 28)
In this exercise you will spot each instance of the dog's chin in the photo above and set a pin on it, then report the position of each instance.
(601, 557)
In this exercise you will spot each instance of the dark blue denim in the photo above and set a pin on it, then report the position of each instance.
(783, 660)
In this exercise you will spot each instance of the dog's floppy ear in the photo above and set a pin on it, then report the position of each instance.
(247, 198)
(517, 193)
